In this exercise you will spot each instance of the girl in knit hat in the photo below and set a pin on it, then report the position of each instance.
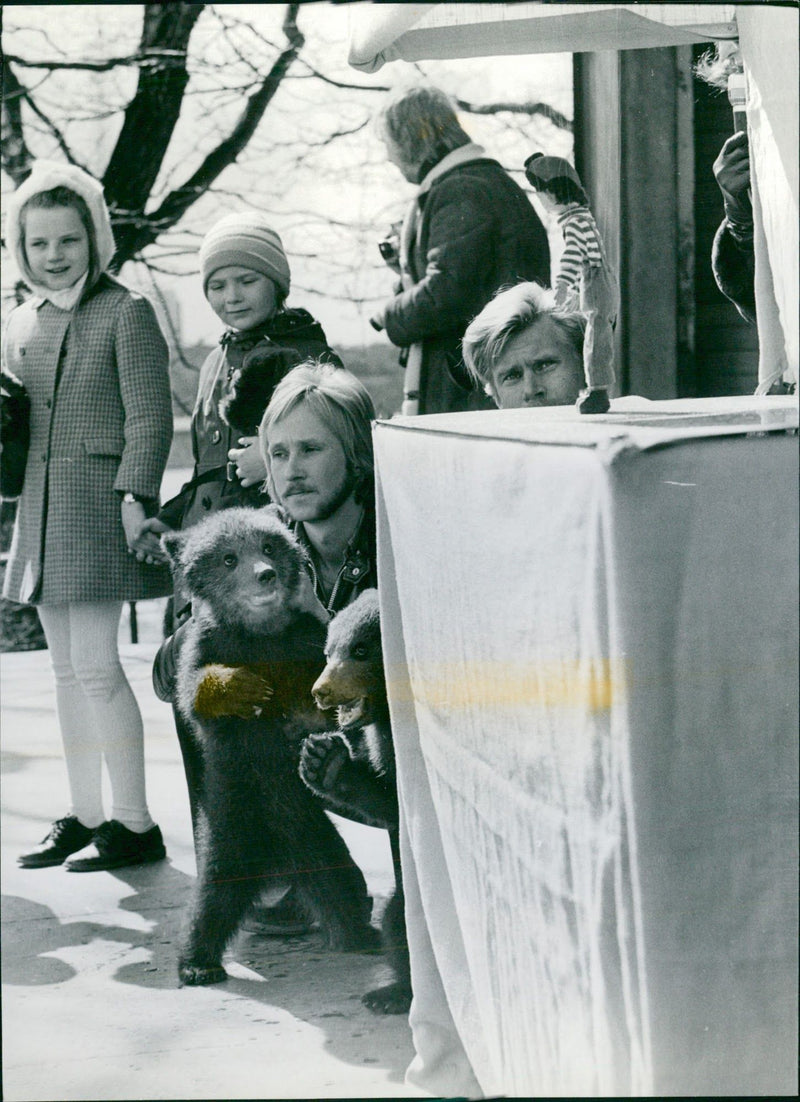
(94, 362)
(246, 280)
(585, 280)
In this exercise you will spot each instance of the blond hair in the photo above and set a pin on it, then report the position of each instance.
(511, 311)
(339, 399)
(422, 122)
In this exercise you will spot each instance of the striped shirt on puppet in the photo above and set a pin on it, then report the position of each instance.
(582, 245)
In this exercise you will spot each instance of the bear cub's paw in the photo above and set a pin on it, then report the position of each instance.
(394, 998)
(196, 975)
(321, 760)
(364, 939)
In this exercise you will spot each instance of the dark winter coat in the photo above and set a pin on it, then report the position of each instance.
(15, 434)
(101, 424)
(212, 437)
(477, 231)
(734, 265)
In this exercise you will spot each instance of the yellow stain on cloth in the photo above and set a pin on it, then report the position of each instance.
(591, 686)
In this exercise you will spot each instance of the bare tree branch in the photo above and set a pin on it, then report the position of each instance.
(178, 201)
(14, 152)
(531, 108)
(154, 60)
(54, 130)
(314, 72)
(535, 107)
(154, 112)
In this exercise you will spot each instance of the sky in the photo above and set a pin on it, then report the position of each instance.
(330, 202)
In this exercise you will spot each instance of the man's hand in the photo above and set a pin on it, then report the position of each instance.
(231, 691)
(147, 544)
(732, 173)
(250, 468)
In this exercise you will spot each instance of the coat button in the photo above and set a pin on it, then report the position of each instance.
(206, 502)
(49, 403)
(217, 436)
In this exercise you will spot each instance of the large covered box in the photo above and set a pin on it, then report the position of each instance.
(590, 634)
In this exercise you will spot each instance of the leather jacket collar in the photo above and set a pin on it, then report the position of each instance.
(358, 570)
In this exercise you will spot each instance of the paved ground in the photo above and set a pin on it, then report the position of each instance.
(91, 1004)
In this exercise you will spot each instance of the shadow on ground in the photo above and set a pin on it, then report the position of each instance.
(297, 976)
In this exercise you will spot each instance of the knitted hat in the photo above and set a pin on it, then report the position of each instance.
(244, 240)
(540, 170)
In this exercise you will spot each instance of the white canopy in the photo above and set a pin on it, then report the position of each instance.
(768, 37)
(411, 32)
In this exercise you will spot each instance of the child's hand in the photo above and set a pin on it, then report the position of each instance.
(132, 515)
(147, 544)
(250, 468)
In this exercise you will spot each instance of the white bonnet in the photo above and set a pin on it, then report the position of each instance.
(45, 176)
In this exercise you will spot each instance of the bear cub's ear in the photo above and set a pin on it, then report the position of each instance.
(252, 386)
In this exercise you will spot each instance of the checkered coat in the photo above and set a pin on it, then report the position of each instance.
(101, 422)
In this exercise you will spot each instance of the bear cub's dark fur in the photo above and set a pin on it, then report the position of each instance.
(243, 568)
(353, 769)
(252, 385)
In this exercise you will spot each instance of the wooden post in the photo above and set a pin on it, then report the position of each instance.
(631, 121)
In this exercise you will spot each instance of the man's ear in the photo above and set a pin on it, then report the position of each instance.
(173, 542)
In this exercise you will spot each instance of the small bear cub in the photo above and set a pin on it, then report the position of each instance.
(353, 769)
(245, 572)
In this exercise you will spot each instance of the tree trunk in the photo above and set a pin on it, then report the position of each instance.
(133, 238)
(150, 120)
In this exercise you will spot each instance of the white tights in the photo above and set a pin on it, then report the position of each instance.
(97, 711)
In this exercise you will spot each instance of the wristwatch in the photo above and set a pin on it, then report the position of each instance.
(128, 498)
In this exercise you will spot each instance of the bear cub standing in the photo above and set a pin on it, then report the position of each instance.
(353, 769)
(245, 573)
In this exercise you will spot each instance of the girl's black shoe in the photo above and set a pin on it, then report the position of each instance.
(113, 846)
(66, 836)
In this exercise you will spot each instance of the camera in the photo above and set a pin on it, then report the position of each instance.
(389, 247)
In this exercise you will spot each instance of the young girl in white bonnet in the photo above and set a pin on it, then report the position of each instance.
(95, 364)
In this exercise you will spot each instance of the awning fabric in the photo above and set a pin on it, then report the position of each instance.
(768, 37)
(413, 32)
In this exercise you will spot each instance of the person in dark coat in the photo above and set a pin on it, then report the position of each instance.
(733, 253)
(94, 362)
(246, 279)
(469, 231)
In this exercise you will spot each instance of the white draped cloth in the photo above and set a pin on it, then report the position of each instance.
(590, 635)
